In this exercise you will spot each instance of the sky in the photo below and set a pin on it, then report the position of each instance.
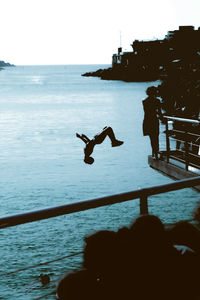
(54, 32)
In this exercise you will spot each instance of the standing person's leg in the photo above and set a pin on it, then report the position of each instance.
(154, 139)
(152, 144)
(178, 144)
(156, 143)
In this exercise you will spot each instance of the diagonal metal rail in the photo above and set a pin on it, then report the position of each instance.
(141, 194)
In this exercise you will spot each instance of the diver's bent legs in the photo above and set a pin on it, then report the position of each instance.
(108, 131)
(111, 134)
(112, 137)
(99, 138)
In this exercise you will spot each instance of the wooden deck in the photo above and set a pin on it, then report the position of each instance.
(174, 169)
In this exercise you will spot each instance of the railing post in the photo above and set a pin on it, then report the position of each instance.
(144, 205)
(167, 141)
(186, 152)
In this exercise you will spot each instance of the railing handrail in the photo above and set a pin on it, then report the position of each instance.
(182, 120)
(98, 202)
(183, 132)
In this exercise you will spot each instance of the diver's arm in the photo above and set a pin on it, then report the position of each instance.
(83, 137)
(86, 138)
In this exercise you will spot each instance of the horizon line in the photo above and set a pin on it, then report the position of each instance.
(83, 64)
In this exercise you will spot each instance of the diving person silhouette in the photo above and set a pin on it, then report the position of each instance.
(97, 139)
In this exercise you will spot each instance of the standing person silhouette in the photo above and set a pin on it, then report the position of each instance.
(97, 139)
(152, 113)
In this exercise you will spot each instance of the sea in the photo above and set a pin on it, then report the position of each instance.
(41, 166)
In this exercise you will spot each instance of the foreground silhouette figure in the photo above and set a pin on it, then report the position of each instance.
(78, 285)
(141, 262)
(97, 139)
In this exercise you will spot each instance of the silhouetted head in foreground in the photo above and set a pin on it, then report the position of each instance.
(100, 251)
(184, 233)
(148, 224)
(148, 233)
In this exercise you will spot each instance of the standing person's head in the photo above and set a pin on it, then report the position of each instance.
(152, 91)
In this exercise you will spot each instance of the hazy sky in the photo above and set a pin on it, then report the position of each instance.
(85, 31)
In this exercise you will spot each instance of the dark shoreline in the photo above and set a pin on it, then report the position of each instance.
(4, 64)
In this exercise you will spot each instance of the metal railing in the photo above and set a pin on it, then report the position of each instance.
(186, 136)
(141, 194)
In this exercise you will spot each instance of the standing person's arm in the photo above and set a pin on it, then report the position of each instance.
(159, 111)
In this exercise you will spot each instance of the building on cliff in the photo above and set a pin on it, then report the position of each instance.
(155, 54)
(156, 59)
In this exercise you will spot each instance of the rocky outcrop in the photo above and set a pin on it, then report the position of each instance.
(5, 64)
(125, 74)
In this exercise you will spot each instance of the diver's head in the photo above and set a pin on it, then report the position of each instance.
(89, 160)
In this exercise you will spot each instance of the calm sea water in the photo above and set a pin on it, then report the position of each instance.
(41, 165)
